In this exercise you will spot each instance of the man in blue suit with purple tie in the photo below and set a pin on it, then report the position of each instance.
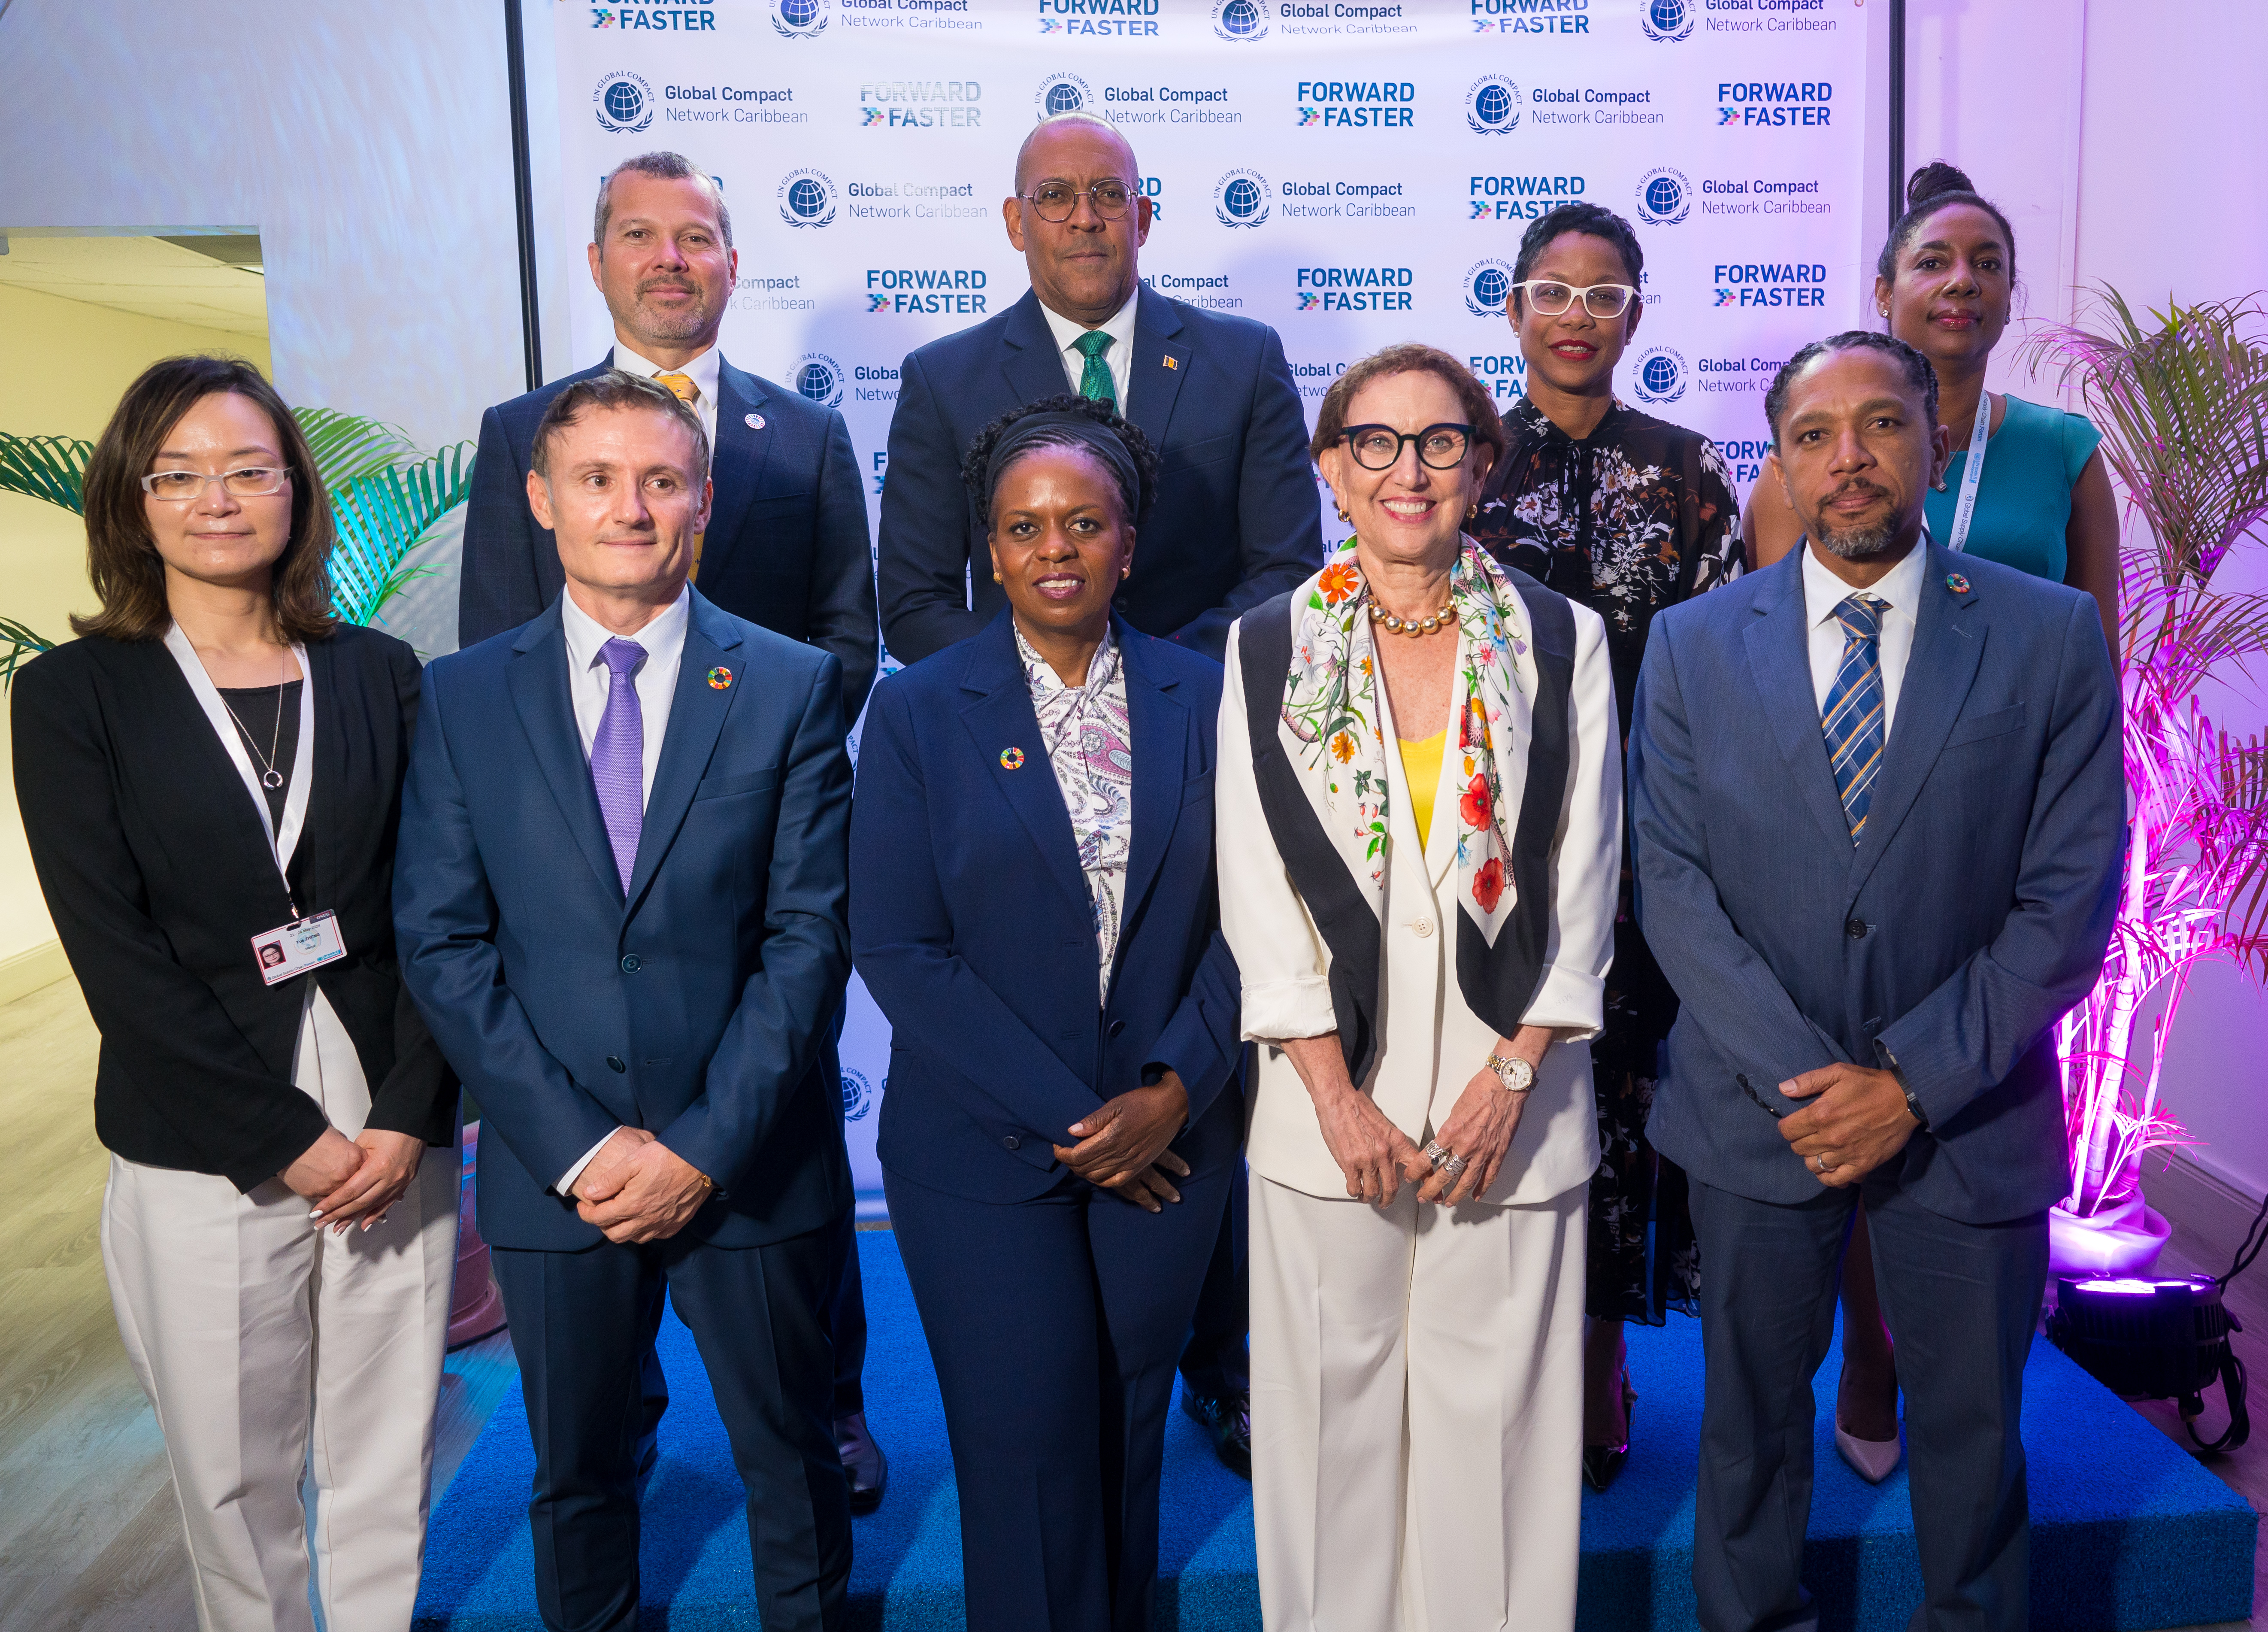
(1876, 805)
(621, 909)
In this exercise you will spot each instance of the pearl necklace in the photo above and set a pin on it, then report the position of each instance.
(1413, 627)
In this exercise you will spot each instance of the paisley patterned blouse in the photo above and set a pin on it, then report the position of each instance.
(1090, 743)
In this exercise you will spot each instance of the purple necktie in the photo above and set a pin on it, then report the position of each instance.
(618, 756)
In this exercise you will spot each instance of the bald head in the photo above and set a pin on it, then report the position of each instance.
(1034, 158)
(1083, 267)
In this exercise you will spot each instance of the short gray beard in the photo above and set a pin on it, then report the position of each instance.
(688, 324)
(1859, 544)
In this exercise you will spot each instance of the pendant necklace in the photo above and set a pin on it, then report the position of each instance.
(270, 776)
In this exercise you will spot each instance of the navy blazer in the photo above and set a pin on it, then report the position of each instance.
(786, 546)
(1971, 917)
(700, 1004)
(1235, 520)
(972, 926)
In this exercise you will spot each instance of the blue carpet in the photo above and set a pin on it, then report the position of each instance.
(2127, 1530)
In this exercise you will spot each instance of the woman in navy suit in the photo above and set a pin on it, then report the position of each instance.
(1033, 905)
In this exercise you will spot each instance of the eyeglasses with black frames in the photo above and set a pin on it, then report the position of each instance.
(180, 486)
(1058, 200)
(1378, 447)
(1550, 297)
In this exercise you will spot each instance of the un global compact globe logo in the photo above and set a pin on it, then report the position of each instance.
(799, 19)
(1666, 19)
(624, 103)
(1665, 197)
(857, 1095)
(1242, 199)
(819, 378)
(1239, 20)
(806, 198)
(1487, 283)
(1493, 106)
(1658, 374)
(1062, 93)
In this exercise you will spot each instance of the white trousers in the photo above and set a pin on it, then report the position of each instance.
(270, 1349)
(1416, 1413)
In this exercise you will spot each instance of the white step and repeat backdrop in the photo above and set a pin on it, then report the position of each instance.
(1352, 172)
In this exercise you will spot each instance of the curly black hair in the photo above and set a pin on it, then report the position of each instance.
(1920, 375)
(979, 477)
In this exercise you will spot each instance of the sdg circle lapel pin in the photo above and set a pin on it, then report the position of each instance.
(1011, 759)
(1956, 583)
(719, 678)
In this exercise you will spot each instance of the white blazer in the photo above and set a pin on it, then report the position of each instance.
(1432, 1042)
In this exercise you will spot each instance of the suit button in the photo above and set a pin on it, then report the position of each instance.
(1116, 1026)
(1855, 929)
(614, 1062)
(1423, 925)
(631, 963)
(1012, 1142)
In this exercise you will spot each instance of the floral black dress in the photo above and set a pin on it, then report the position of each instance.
(1635, 517)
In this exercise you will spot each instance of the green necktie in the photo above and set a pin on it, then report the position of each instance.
(1094, 378)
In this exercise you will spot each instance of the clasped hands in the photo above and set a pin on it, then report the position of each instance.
(1378, 1158)
(354, 1180)
(637, 1189)
(1856, 1119)
(1122, 1144)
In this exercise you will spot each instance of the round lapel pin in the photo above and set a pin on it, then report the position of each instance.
(1956, 583)
(755, 422)
(719, 678)
(1011, 759)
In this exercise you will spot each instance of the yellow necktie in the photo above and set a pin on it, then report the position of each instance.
(683, 388)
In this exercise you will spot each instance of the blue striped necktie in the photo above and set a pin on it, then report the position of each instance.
(1853, 717)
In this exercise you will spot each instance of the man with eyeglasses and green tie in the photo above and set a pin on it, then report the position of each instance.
(1237, 517)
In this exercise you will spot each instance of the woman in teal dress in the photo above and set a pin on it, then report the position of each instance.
(2043, 504)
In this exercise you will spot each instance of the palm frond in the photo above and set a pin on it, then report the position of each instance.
(18, 646)
(53, 467)
(350, 446)
(382, 516)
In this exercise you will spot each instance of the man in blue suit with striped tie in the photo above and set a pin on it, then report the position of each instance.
(1876, 804)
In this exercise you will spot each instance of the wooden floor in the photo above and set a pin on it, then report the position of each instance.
(89, 1535)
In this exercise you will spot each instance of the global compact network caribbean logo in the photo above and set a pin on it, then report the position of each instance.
(1665, 197)
(1658, 374)
(1487, 283)
(857, 1095)
(1242, 199)
(800, 19)
(819, 377)
(1061, 93)
(624, 102)
(1237, 21)
(1668, 19)
(1493, 106)
(806, 198)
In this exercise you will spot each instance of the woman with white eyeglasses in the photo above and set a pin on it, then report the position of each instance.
(1627, 515)
(210, 779)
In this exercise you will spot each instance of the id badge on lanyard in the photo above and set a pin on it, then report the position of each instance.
(1965, 507)
(306, 942)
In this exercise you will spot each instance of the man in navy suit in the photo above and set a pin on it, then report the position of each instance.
(1236, 519)
(786, 545)
(622, 911)
(1876, 802)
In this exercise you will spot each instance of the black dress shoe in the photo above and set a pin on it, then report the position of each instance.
(1602, 1463)
(863, 1460)
(1228, 1419)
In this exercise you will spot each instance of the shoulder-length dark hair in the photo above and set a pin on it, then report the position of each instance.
(121, 558)
(1480, 408)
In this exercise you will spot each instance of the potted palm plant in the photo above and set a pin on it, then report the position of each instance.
(386, 499)
(2181, 397)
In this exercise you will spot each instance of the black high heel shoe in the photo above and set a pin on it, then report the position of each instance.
(1602, 1463)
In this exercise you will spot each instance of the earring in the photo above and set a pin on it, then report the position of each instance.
(1127, 571)
(1472, 509)
(997, 579)
(1343, 516)
(1883, 312)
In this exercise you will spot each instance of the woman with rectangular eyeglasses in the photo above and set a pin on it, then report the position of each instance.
(1627, 515)
(209, 778)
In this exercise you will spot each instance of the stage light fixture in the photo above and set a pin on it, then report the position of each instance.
(2155, 1340)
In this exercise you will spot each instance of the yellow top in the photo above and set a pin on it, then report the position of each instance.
(1421, 767)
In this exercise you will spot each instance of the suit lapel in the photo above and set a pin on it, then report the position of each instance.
(1948, 643)
(999, 719)
(1779, 657)
(697, 715)
(1032, 364)
(1152, 385)
(537, 680)
(738, 465)
(1161, 727)
(319, 834)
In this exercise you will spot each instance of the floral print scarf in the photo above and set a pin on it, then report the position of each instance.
(1089, 742)
(1332, 725)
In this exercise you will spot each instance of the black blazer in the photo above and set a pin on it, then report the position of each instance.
(157, 873)
(787, 546)
(1235, 521)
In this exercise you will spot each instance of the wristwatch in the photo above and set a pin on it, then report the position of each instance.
(1517, 1076)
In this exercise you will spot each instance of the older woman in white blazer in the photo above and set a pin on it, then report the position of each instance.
(1420, 809)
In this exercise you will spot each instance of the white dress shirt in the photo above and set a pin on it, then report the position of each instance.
(588, 682)
(702, 371)
(1119, 358)
(1824, 592)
